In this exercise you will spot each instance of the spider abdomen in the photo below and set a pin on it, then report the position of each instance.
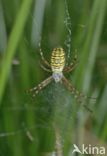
(57, 60)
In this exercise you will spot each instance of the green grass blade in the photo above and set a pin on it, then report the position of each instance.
(94, 44)
(13, 43)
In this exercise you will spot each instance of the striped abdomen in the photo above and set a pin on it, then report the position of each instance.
(57, 60)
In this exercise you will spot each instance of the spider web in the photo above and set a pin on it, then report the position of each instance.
(68, 26)
(54, 92)
(53, 97)
(51, 94)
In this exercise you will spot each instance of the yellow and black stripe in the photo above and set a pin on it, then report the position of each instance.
(57, 59)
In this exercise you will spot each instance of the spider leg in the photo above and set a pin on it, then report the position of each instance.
(45, 68)
(40, 86)
(72, 65)
(42, 57)
(79, 96)
(70, 68)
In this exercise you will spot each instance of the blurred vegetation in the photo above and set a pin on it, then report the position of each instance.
(52, 121)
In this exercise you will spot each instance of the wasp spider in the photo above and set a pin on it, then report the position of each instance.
(58, 69)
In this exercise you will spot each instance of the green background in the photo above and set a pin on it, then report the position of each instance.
(52, 121)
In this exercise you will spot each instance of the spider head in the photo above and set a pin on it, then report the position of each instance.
(57, 76)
